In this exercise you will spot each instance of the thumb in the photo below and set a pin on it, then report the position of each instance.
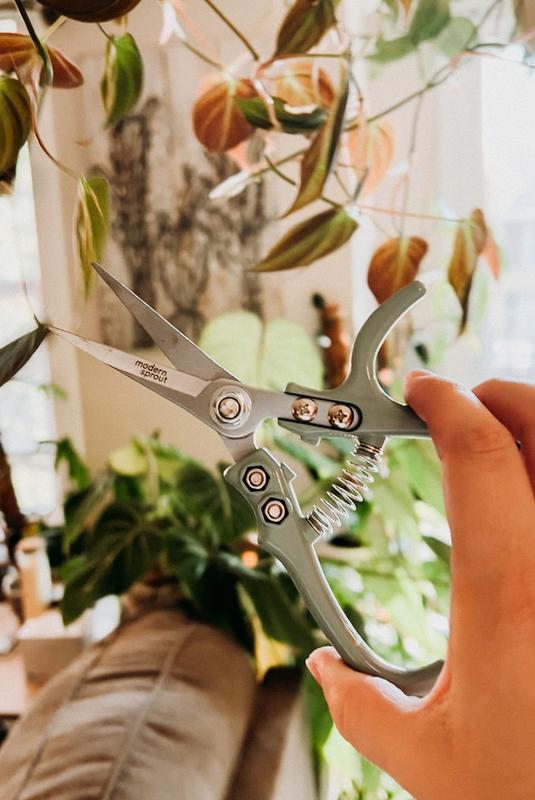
(373, 715)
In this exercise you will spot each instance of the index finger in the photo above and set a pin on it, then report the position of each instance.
(486, 486)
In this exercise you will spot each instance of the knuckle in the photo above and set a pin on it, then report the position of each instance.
(490, 440)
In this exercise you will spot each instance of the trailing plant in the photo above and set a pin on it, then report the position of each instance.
(304, 85)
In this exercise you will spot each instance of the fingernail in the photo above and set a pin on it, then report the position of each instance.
(313, 669)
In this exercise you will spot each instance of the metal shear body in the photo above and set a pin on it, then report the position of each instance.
(358, 408)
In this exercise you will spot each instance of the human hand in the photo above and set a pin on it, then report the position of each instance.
(473, 736)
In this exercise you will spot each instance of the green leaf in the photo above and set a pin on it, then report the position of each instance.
(256, 113)
(421, 466)
(320, 157)
(387, 50)
(126, 549)
(122, 83)
(441, 549)
(457, 36)
(15, 355)
(268, 355)
(77, 470)
(319, 718)
(279, 617)
(311, 240)
(82, 507)
(430, 18)
(91, 223)
(319, 465)
(129, 461)
(304, 25)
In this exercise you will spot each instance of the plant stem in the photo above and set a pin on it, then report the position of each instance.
(48, 73)
(201, 55)
(233, 28)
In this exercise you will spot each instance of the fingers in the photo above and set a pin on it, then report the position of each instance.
(376, 717)
(514, 405)
(486, 486)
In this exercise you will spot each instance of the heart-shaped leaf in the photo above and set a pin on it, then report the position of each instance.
(15, 125)
(304, 25)
(91, 10)
(371, 151)
(269, 355)
(91, 223)
(122, 82)
(319, 159)
(395, 264)
(256, 113)
(13, 356)
(310, 240)
(218, 123)
(299, 82)
(470, 242)
(18, 54)
(429, 19)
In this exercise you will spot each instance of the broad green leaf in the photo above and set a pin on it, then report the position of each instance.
(91, 223)
(395, 264)
(387, 50)
(256, 113)
(269, 355)
(125, 551)
(129, 461)
(441, 549)
(319, 718)
(82, 508)
(319, 159)
(422, 467)
(319, 465)
(311, 240)
(430, 18)
(470, 242)
(122, 82)
(304, 25)
(279, 617)
(13, 356)
(458, 34)
(77, 470)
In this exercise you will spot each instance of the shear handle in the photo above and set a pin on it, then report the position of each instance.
(292, 541)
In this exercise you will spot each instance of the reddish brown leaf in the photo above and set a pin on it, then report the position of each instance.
(310, 240)
(371, 151)
(305, 24)
(218, 123)
(18, 54)
(319, 159)
(491, 254)
(469, 243)
(91, 10)
(300, 83)
(395, 264)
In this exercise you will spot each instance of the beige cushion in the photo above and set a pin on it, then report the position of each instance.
(158, 711)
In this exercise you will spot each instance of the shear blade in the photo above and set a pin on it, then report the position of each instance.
(181, 351)
(179, 387)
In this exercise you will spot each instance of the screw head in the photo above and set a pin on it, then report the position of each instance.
(274, 510)
(304, 409)
(341, 416)
(256, 479)
(228, 407)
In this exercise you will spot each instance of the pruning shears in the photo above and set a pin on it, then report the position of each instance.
(359, 409)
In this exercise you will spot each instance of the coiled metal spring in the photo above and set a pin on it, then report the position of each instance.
(349, 489)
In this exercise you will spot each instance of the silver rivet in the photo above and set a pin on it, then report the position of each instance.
(341, 416)
(228, 407)
(256, 478)
(274, 511)
(304, 409)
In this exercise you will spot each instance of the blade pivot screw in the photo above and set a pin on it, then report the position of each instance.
(230, 406)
